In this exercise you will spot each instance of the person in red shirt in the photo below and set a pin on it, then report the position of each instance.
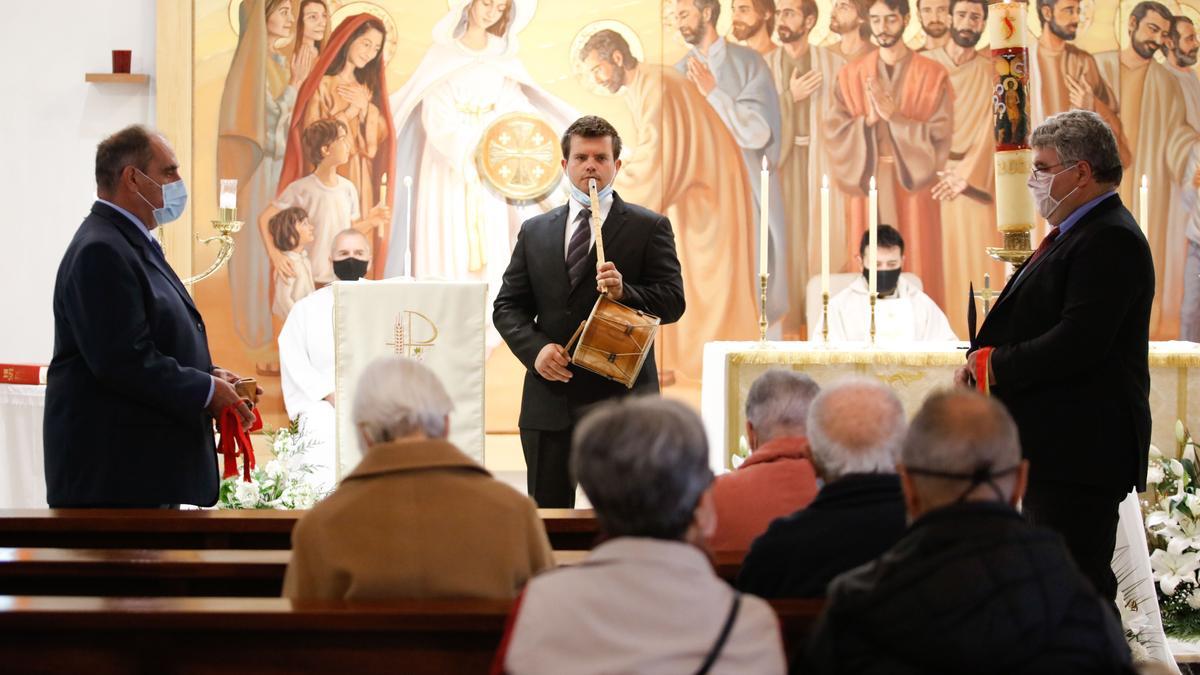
(778, 477)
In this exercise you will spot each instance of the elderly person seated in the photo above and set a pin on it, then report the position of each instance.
(778, 477)
(416, 518)
(646, 600)
(855, 428)
(972, 587)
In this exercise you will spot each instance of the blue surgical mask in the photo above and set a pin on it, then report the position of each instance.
(174, 197)
(585, 199)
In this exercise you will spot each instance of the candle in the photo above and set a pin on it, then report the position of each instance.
(872, 241)
(825, 234)
(1144, 205)
(764, 194)
(383, 189)
(228, 198)
(408, 226)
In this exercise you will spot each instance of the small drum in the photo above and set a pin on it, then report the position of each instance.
(615, 341)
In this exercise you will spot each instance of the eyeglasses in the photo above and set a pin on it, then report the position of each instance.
(1044, 172)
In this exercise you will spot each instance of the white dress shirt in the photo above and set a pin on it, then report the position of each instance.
(573, 209)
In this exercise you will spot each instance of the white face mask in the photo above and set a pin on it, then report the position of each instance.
(586, 199)
(174, 198)
(1040, 187)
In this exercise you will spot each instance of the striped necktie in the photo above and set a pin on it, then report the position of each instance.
(577, 250)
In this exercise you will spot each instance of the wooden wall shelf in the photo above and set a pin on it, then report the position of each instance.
(117, 78)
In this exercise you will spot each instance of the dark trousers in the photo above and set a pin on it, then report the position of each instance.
(1086, 518)
(547, 461)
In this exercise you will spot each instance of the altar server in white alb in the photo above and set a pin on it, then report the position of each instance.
(306, 358)
(903, 313)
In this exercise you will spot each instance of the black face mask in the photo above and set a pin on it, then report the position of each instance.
(885, 280)
(350, 269)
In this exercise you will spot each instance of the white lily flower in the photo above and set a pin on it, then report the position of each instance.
(1173, 569)
(1155, 453)
(1180, 433)
(1189, 453)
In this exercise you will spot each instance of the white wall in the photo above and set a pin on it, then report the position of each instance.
(51, 121)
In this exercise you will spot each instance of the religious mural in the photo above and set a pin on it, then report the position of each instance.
(433, 128)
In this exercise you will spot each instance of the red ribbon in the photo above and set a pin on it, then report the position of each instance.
(982, 357)
(236, 441)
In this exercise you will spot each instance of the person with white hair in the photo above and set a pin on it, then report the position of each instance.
(647, 599)
(855, 429)
(416, 518)
(971, 587)
(778, 477)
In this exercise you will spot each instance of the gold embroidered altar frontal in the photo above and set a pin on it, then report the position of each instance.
(913, 372)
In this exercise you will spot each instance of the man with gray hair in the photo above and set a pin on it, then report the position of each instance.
(1065, 345)
(970, 587)
(646, 600)
(416, 518)
(778, 477)
(855, 429)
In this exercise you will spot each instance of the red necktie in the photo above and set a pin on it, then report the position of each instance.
(1042, 247)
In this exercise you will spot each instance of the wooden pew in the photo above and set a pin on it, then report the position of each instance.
(567, 529)
(183, 573)
(220, 636)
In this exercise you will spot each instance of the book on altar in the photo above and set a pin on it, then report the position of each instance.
(440, 323)
(16, 373)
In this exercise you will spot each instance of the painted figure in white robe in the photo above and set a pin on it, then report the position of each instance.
(737, 83)
(306, 359)
(1154, 118)
(903, 313)
(469, 77)
(252, 129)
(805, 76)
(1183, 48)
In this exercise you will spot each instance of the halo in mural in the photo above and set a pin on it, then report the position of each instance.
(581, 72)
(350, 9)
(1121, 23)
(1087, 13)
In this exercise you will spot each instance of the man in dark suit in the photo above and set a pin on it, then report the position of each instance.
(1065, 346)
(131, 392)
(550, 286)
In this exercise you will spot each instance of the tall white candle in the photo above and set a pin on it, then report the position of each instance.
(763, 213)
(1144, 205)
(408, 226)
(873, 237)
(383, 190)
(825, 234)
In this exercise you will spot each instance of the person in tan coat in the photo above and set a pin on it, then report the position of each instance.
(416, 518)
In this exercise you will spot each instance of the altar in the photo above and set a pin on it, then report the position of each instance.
(912, 371)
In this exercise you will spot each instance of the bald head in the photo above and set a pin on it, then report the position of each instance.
(962, 446)
(350, 254)
(855, 426)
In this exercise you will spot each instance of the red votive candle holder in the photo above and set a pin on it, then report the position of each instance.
(121, 60)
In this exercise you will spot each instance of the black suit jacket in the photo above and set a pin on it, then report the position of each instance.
(125, 421)
(538, 306)
(1071, 338)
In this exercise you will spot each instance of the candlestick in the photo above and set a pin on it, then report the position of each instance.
(762, 307)
(408, 181)
(764, 194)
(873, 298)
(825, 317)
(1144, 206)
(872, 241)
(825, 236)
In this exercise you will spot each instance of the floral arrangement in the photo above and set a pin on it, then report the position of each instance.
(285, 482)
(1171, 507)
